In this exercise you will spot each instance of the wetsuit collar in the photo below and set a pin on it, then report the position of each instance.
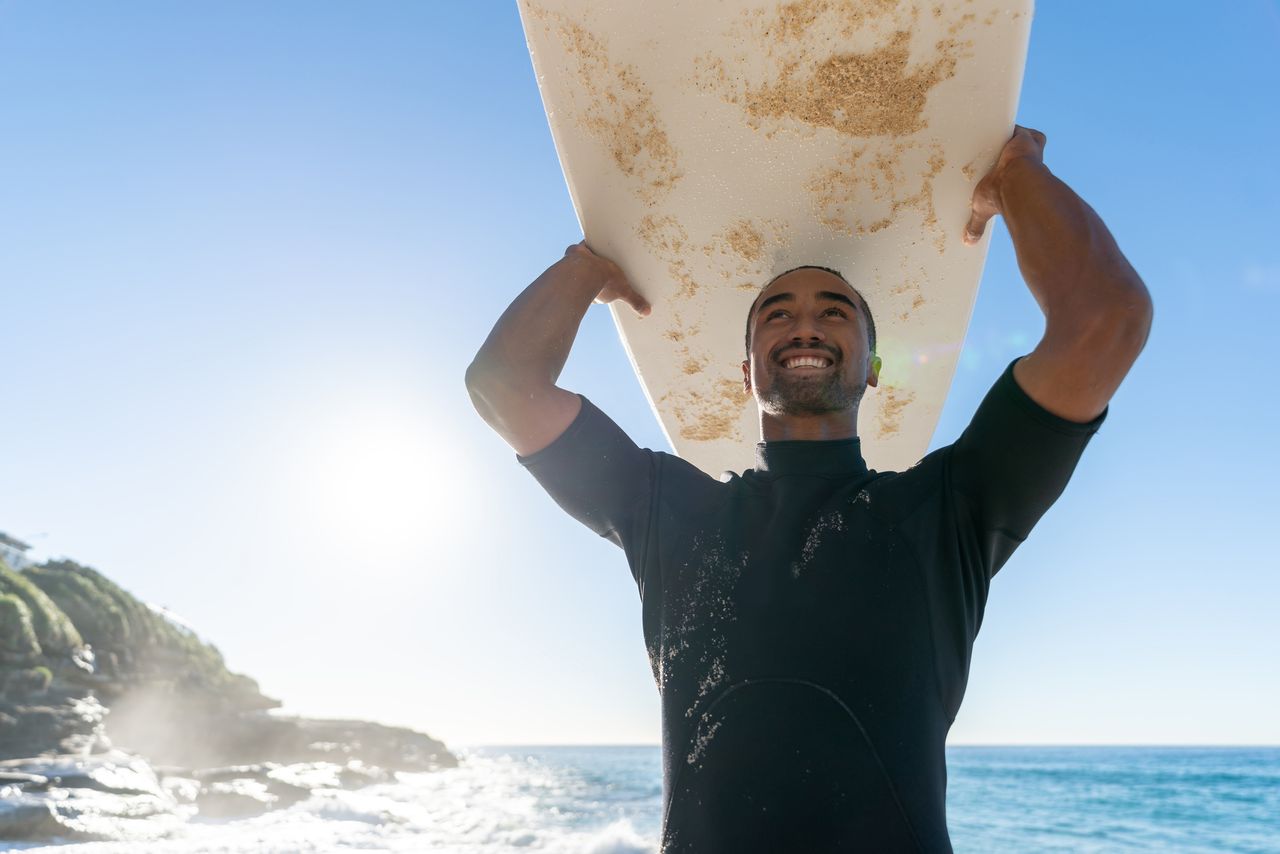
(832, 457)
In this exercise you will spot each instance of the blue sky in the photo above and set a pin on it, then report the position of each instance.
(247, 251)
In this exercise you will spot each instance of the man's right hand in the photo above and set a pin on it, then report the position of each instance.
(512, 380)
(580, 260)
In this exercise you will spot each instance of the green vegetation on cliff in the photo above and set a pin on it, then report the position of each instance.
(78, 605)
(97, 616)
(18, 641)
(54, 631)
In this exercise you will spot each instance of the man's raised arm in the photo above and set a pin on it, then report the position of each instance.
(1097, 310)
(512, 380)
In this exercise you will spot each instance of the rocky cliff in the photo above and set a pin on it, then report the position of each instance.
(99, 690)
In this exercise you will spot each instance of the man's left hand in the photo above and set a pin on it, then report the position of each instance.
(1024, 144)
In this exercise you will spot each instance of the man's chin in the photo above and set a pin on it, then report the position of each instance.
(809, 404)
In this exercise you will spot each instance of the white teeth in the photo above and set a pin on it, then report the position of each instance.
(806, 362)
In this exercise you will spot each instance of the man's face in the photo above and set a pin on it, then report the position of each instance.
(809, 352)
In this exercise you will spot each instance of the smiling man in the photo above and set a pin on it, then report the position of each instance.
(821, 371)
(810, 622)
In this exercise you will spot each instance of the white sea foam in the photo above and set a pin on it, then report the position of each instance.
(618, 838)
(494, 802)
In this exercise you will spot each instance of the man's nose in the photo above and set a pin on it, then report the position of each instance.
(807, 329)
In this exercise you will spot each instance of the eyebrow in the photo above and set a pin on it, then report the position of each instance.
(834, 296)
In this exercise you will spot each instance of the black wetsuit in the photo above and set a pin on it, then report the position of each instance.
(810, 622)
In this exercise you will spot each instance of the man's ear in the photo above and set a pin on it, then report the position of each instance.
(746, 376)
(873, 374)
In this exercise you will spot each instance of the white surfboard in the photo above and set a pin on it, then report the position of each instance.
(710, 146)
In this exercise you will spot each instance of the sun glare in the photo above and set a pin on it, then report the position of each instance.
(377, 480)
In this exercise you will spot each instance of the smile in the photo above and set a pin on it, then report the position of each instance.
(806, 362)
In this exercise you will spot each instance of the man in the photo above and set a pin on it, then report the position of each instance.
(810, 622)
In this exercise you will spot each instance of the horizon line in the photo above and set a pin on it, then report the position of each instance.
(1189, 746)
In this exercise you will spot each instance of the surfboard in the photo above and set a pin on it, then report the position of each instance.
(710, 146)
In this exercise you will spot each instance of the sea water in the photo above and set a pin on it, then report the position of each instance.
(608, 800)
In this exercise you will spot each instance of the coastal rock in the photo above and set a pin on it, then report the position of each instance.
(22, 780)
(84, 815)
(393, 748)
(307, 775)
(115, 772)
(190, 731)
(234, 799)
(183, 790)
(98, 690)
(27, 817)
(59, 724)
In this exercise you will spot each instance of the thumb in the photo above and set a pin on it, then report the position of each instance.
(983, 206)
(976, 227)
(639, 303)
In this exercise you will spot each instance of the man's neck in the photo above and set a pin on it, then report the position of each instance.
(809, 428)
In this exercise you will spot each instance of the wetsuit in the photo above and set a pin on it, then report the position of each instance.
(809, 623)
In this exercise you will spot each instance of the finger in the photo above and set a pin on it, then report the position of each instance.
(632, 297)
(977, 226)
(1032, 131)
(1036, 136)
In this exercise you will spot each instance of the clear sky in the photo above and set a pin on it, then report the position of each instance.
(248, 249)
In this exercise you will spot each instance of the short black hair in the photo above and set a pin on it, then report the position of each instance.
(871, 323)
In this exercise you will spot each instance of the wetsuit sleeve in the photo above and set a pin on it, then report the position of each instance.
(601, 478)
(1010, 464)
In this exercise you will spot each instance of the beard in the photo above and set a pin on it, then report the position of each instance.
(794, 394)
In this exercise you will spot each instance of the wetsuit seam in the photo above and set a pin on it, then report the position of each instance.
(839, 701)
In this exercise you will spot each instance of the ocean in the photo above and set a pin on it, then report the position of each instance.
(607, 800)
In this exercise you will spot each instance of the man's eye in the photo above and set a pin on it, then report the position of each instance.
(776, 313)
(837, 312)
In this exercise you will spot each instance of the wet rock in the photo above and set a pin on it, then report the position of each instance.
(27, 682)
(286, 794)
(267, 777)
(115, 772)
(339, 741)
(259, 771)
(183, 790)
(184, 730)
(355, 775)
(81, 816)
(235, 799)
(22, 780)
(28, 818)
(58, 724)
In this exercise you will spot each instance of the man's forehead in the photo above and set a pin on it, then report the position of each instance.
(808, 280)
